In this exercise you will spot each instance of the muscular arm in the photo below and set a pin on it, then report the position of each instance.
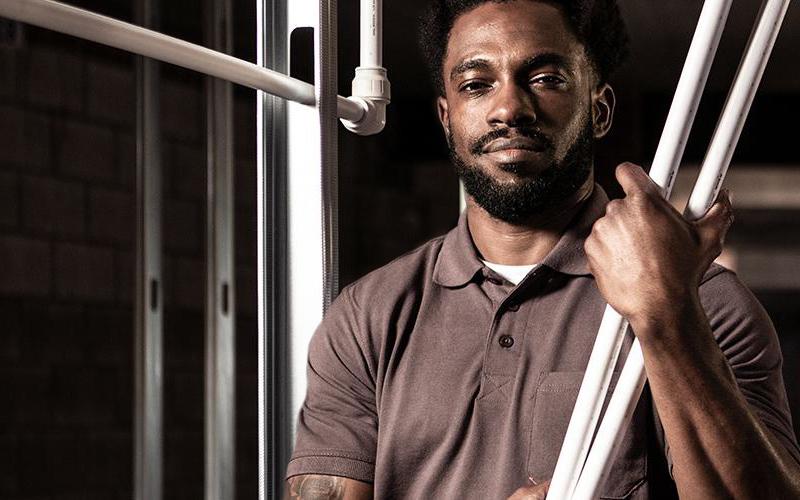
(648, 262)
(719, 446)
(313, 487)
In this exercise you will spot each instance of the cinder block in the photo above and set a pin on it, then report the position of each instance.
(111, 92)
(84, 272)
(111, 216)
(53, 333)
(126, 160)
(24, 139)
(245, 236)
(246, 290)
(245, 182)
(53, 207)
(182, 110)
(184, 283)
(25, 389)
(10, 338)
(9, 200)
(244, 141)
(82, 395)
(109, 334)
(183, 398)
(85, 151)
(9, 472)
(187, 167)
(184, 343)
(181, 227)
(26, 266)
(125, 265)
(9, 66)
(111, 460)
(55, 79)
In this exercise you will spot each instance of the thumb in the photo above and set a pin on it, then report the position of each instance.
(713, 227)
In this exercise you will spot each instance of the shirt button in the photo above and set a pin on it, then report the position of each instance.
(512, 306)
(506, 341)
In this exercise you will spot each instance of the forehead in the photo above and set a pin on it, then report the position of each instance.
(506, 30)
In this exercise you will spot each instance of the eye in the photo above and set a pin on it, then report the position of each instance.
(474, 86)
(547, 80)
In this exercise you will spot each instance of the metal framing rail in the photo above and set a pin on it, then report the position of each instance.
(148, 348)
(220, 376)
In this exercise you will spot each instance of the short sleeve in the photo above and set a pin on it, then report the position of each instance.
(338, 424)
(748, 339)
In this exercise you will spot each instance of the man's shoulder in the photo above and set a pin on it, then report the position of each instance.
(735, 315)
(407, 274)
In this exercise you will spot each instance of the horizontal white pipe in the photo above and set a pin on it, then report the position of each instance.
(371, 34)
(609, 338)
(107, 31)
(712, 174)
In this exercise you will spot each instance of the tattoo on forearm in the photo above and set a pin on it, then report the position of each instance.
(316, 488)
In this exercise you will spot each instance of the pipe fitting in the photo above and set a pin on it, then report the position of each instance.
(372, 90)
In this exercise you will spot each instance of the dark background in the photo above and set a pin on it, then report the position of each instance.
(67, 164)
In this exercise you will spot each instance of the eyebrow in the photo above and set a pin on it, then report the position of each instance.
(537, 61)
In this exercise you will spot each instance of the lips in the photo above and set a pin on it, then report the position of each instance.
(516, 143)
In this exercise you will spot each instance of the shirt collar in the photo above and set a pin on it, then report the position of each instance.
(458, 261)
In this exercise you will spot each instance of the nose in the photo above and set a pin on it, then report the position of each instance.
(512, 106)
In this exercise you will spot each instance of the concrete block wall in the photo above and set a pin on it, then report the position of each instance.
(67, 239)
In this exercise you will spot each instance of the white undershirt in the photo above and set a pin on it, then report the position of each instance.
(514, 274)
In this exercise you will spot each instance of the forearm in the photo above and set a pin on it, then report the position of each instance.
(316, 487)
(718, 445)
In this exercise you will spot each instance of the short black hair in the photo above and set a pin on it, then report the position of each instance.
(597, 24)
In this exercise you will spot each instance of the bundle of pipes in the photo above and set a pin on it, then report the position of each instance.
(363, 113)
(578, 476)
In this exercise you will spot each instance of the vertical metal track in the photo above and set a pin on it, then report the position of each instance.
(274, 441)
(326, 83)
(311, 175)
(148, 407)
(297, 224)
(220, 373)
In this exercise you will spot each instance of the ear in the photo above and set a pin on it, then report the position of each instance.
(603, 102)
(444, 115)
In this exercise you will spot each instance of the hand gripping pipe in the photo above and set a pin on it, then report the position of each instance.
(613, 327)
(704, 193)
(364, 113)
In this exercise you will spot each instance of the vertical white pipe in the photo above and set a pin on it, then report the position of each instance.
(687, 95)
(715, 166)
(737, 106)
(604, 355)
(371, 34)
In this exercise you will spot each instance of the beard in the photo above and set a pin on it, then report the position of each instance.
(517, 202)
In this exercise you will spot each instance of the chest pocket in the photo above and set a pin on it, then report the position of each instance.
(554, 400)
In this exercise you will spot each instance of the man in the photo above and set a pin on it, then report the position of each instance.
(452, 371)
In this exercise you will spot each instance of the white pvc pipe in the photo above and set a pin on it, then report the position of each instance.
(712, 175)
(371, 34)
(737, 106)
(609, 338)
(371, 85)
(107, 31)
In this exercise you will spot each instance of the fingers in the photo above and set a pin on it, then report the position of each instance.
(633, 179)
(535, 492)
(713, 227)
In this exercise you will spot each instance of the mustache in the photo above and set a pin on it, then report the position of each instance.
(505, 133)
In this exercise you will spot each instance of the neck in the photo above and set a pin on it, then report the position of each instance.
(528, 242)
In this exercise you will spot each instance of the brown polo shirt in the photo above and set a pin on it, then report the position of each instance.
(433, 377)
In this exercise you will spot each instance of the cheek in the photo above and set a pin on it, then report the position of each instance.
(462, 131)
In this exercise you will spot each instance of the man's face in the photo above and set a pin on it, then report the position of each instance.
(521, 107)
